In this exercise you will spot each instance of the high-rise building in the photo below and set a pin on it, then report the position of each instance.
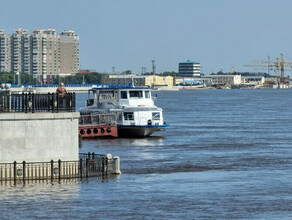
(189, 69)
(69, 53)
(44, 54)
(5, 52)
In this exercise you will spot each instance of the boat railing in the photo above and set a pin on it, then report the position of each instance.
(98, 119)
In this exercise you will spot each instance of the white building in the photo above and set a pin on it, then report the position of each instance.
(253, 80)
(223, 80)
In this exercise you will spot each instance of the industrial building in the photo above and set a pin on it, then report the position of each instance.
(141, 80)
(222, 80)
(253, 80)
(189, 69)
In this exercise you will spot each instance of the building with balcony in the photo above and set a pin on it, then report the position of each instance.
(5, 52)
(69, 53)
(44, 54)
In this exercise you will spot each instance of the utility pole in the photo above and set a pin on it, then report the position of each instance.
(143, 70)
(153, 67)
(268, 65)
(153, 71)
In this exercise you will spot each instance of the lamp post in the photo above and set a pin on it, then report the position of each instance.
(18, 78)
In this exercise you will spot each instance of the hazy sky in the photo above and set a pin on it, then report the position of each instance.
(128, 34)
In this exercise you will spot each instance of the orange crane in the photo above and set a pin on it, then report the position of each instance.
(277, 65)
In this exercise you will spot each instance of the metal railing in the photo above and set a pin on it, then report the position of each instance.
(98, 119)
(30, 102)
(38, 170)
(89, 165)
(92, 165)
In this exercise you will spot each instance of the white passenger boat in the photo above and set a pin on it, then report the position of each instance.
(136, 113)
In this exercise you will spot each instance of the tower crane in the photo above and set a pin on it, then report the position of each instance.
(277, 65)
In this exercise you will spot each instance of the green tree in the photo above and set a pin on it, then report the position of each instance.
(12, 78)
(89, 78)
(27, 79)
(7, 77)
(167, 73)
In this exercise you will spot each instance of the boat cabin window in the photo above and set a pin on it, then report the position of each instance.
(155, 115)
(124, 95)
(90, 99)
(129, 115)
(147, 94)
(136, 94)
(107, 95)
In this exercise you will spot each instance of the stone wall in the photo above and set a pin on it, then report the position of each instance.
(38, 137)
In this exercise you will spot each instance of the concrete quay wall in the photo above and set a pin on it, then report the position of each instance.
(44, 90)
(39, 137)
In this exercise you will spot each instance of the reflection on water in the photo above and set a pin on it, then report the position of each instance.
(149, 141)
(68, 188)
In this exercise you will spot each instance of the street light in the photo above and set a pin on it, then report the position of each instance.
(18, 78)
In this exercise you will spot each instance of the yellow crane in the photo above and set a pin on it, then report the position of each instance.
(277, 65)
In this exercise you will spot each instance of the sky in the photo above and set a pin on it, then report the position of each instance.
(129, 34)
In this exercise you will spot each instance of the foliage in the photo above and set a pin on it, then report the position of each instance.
(167, 73)
(12, 78)
(89, 78)
(7, 77)
(28, 79)
(172, 73)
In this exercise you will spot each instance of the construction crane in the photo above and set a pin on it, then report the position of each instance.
(277, 65)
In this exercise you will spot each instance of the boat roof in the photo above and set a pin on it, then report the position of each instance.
(120, 86)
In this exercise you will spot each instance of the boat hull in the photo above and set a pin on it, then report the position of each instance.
(95, 131)
(138, 131)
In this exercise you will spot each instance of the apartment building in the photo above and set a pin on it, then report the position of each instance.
(69, 53)
(5, 52)
(44, 54)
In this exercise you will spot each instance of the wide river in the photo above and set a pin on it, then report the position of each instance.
(226, 155)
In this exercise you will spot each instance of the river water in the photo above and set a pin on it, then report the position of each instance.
(226, 155)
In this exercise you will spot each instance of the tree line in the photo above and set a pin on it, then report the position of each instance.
(87, 78)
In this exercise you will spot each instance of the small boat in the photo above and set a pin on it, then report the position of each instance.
(132, 109)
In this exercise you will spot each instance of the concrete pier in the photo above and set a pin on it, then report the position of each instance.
(35, 137)
(39, 140)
